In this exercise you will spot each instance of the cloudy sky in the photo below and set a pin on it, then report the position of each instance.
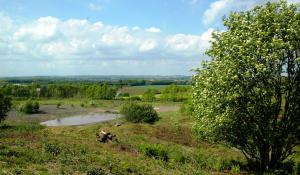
(109, 37)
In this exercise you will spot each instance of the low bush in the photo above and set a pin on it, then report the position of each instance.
(187, 108)
(149, 95)
(136, 113)
(53, 149)
(134, 98)
(58, 105)
(156, 151)
(29, 107)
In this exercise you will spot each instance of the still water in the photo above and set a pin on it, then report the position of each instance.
(81, 119)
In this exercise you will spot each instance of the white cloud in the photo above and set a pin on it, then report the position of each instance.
(48, 43)
(153, 30)
(135, 28)
(5, 23)
(214, 9)
(147, 45)
(43, 28)
(206, 36)
(219, 8)
(95, 7)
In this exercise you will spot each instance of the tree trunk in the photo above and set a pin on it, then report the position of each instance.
(264, 157)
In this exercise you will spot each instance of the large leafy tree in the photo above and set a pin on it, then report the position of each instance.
(248, 95)
(5, 105)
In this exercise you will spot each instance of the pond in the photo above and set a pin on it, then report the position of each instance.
(81, 119)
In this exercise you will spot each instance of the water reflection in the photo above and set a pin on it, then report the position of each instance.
(81, 119)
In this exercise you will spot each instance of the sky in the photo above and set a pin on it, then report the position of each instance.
(109, 37)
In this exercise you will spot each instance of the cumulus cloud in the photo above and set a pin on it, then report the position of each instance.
(153, 30)
(48, 43)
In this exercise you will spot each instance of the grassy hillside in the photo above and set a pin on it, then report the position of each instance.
(166, 147)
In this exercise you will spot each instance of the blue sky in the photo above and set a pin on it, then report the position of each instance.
(109, 37)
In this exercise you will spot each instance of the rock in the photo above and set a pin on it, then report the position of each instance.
(104, 137)
(118, 124)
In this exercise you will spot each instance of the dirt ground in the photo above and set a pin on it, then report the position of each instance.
(166, 108)
(50, 112)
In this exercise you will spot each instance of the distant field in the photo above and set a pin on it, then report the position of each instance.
(138, 90)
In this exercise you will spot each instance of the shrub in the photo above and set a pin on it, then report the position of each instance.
(125, 94)
(58, 105)
(135, 98)
(136, 113)
(187, 108)
(36, 106)
(53, 149)
(149, 95)
(5, 106)
(156, 151)
(29, 107)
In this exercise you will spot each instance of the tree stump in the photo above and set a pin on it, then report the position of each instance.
(105, 137)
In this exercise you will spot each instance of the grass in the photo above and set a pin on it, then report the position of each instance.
(166, 147)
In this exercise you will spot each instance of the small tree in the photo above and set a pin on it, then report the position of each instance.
(136, 113)
(29, 107)
(248, 96)
(5, 106)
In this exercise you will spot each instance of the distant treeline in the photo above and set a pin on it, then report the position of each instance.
(151, 82)
(114, 80)
(95, 91)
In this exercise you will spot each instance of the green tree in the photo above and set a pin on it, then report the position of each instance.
(248, 95)
(149, 95)
(175, 93)
(29, 107)
(5, 106)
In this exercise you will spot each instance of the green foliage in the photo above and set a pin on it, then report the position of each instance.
(235, 169)
(156, 151)
(296, 168)
(149, 95)
(187, 108)
(36, 107)
(95, 91)
(58, 105)
(29, 107)
(5, 106)
(125, 94)
(96, 171)
(53, 149)
(136, 113)
(248, 95)
(134, 98)
(175, 93)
